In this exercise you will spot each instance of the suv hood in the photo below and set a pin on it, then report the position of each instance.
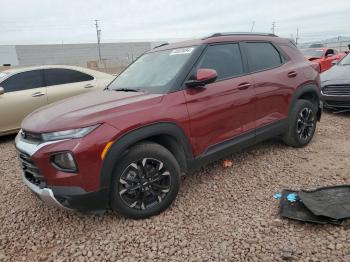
(335, 73)
(84, 110)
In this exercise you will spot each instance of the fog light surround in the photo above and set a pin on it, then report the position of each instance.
(64, 161)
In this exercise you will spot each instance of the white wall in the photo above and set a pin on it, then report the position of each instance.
(78, 54)
(8, 55)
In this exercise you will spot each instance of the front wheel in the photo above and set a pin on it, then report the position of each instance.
(302, 124)
(145, 182)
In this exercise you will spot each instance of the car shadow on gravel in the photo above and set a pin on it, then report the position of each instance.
(7, 138)
(340, 112)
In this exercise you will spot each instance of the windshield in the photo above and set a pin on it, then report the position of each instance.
(154, 71)
(345, 61)
(312, 52)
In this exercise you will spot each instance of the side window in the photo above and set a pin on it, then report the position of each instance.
(262, 56)
(23, 81)
(64, 76)
(224, 58)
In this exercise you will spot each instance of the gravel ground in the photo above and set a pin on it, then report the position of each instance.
(220, 214)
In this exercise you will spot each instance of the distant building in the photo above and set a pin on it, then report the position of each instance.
(71, 54)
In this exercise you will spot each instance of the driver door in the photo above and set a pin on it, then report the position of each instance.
(223, 110)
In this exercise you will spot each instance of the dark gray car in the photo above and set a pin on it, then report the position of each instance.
(335, 85)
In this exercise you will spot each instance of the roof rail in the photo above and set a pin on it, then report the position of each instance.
(160, 45)
(239, 33)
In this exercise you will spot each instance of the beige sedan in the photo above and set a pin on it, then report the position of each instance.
(22, 90)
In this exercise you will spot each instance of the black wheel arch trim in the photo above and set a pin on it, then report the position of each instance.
(132, 137)
(304, 89)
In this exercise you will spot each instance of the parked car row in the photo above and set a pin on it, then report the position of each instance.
(23, 90)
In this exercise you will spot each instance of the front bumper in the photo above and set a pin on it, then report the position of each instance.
(339, 102)
(339, 97)
(45, 194)
(80, 190)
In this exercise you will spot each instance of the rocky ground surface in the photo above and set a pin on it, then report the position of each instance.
(220, 214)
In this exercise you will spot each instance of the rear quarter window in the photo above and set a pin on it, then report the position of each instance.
(262, 56)
(64, 76)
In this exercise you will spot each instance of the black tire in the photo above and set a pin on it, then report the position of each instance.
(301, 124)
(138, 180)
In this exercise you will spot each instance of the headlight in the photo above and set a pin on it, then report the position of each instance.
(67, 134)
(65, 162)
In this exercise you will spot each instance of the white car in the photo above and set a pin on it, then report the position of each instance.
(22, 90)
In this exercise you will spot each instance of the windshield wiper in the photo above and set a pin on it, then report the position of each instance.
(128, 89)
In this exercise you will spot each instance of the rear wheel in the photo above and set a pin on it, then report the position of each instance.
(302, 124)
(146, 181)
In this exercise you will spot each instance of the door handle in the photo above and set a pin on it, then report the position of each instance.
(88, 86)
(292, 74)
(37, 94)
(244, 86)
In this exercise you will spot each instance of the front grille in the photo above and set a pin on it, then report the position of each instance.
(336, 90)
(338, 103)
(31, 171)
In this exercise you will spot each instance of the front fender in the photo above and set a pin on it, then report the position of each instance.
(120, 146)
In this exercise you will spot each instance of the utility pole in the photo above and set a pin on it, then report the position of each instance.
(252, 28)
(339, 49)
(98, 33)
(297, 37)
(273, 27)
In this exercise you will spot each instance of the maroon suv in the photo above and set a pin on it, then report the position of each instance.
(174, 109)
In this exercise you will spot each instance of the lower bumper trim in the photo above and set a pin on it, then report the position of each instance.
(45, 194)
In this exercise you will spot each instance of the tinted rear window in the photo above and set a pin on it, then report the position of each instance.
(64, 76)
(262, 56)
(23, 81)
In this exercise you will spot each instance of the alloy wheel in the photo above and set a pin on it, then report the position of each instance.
(144, 183)
(305, 123)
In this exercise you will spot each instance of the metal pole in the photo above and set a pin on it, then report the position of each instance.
(273, 27)
(98, 33)
(297, 37)
(252, 28)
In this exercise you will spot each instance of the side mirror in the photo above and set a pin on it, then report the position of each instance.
(334, 62)
(203, 77)
(2, 90)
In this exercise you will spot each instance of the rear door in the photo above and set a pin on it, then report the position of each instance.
(275, 78)
(62, 83)
(224, 109)
(24, 92)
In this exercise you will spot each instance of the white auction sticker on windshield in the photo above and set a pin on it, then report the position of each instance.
(182, 51)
